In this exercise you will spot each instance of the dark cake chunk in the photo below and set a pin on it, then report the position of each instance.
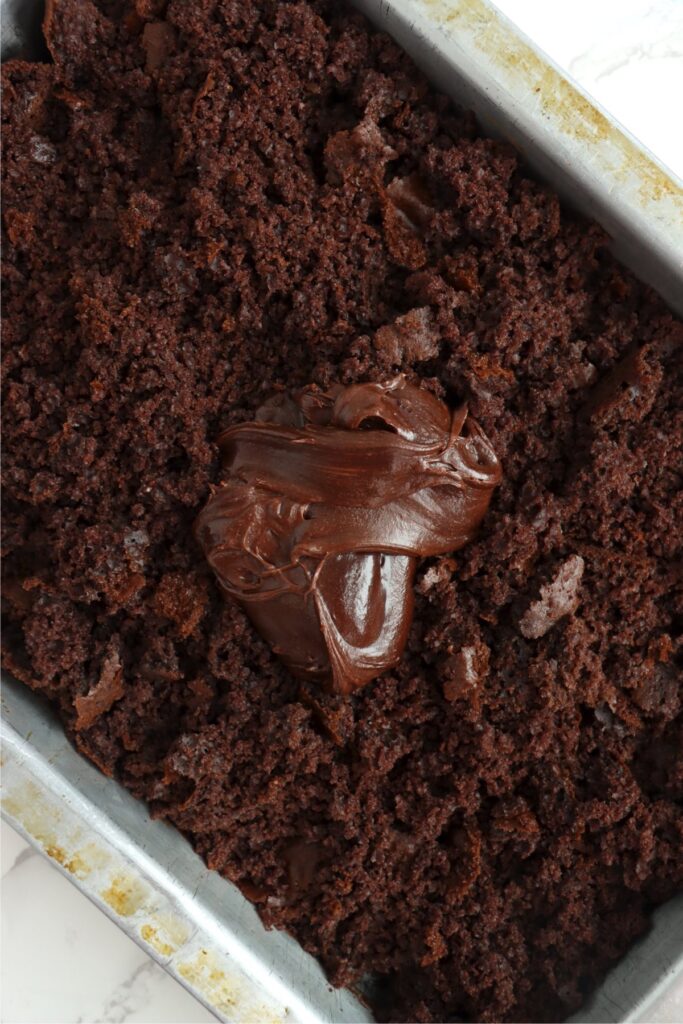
(205, 202)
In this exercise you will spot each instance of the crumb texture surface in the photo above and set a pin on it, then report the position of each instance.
(204, 202)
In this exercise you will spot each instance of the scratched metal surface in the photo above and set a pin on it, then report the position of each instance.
(142, 873)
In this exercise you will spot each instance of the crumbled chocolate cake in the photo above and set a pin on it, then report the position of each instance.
(207, 202)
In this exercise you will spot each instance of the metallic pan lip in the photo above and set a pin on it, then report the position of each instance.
(143, 873)
(145, 876)
(471, 51)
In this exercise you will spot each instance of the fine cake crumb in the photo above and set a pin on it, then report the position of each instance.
(158, 39)
(183, 599)
(349, 154)
(465, 671)
(412, 337)
(205, 204)
(107, 690)
(412, 200)
(558, 598)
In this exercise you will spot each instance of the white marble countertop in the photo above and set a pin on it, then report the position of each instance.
(62, 960)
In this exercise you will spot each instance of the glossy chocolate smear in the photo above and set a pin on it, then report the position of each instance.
(330, 500)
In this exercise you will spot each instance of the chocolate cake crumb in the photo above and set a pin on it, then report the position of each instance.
(209, 202)
(463, 674)
(106, 691)
(411, 338)
(558, 598)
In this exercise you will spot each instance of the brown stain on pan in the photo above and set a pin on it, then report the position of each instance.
(43, 818)
(565, 107)
(38, 816)
(81, 862)
(35, 815)
(165, 933)
(87, 859)
(125, 895)
(151, 936)
(225, 993)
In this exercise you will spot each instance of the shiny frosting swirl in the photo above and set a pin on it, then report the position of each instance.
(330, 499)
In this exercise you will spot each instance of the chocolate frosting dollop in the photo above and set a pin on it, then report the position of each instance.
(330, 499)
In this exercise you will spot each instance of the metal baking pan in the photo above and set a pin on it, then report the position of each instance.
(143, 873)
